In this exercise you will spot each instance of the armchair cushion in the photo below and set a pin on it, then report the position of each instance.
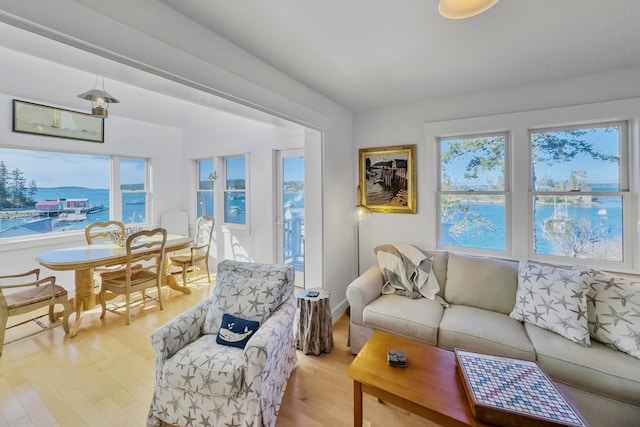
(236, 331)
(250, 298)
(207, 368)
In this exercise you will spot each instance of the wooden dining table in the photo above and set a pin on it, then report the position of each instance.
(83, 259)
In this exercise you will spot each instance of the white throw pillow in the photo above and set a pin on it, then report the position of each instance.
(553, 298)
(246, 297)
(613, 303)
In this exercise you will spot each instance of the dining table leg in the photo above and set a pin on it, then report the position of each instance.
(173, 284)
(85, 297)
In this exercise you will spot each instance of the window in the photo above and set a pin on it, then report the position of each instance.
(473, 193)
(235, 203)
(206, 179)
(579, 191)
(46, 192)
(133, 186)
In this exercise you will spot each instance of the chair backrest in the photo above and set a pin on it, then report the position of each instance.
(14, 279)
(204, 232)
(100, 231)
(145, 250)
(175, 222)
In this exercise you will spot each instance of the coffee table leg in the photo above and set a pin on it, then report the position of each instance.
(357, 404)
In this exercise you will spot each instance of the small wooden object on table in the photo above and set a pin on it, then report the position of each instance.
(314, 330)
(429, 386)
(513, 393)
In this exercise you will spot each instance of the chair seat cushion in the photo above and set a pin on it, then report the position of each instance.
(206, 368)
(33, 295)
(137, 277)
(186, 259)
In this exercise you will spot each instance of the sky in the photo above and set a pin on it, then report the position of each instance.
(50, 169)
(597, 171)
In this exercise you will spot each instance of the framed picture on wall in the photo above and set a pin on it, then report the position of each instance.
(387, 177)
(52, 121)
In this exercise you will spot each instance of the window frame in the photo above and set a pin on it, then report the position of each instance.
(115, 195)
(213, 177)
(120, 192)
(624, 192)
(224, 190)
(506, 193)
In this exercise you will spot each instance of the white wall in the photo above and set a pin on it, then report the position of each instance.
(166, 44)
(124, 137)
(215, 133)
(418, 123)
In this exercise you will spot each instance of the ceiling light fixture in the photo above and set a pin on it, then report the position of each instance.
(459, 9)
(100, 100)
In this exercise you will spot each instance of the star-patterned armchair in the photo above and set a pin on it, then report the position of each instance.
(204, 377)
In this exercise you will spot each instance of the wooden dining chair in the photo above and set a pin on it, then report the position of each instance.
(199, 252)
(29, 293)
(143, 270)
(101, 232)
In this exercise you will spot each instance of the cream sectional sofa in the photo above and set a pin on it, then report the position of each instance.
(603, 382)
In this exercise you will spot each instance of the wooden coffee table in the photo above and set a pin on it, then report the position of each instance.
(429, 386)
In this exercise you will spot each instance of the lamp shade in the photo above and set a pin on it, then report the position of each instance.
(459, 9)
(100, 100)
(361, 215)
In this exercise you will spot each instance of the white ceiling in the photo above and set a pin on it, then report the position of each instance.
(369, 54)
(363, 54)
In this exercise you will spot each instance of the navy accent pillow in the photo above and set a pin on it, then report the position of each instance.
(236, 331)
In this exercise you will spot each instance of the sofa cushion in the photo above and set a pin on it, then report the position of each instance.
(554, 298)
(246, 297)
(599, 369)
(484, 331)
(206, 367)
(412, 318)
(481, 282)
(613, 306)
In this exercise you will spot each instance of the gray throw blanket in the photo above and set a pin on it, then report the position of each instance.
(407, 271)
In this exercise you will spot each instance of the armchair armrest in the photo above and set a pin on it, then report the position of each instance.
(364, 289)
(266, 350)
(179, 331)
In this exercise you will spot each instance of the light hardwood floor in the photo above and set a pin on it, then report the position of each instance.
(104, 376)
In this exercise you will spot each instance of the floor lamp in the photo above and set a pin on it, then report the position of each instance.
(361, 216)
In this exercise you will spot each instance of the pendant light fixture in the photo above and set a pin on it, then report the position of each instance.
(459, 9)
(100, 99)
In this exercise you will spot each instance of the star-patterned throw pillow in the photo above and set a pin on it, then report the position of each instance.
(236, 331)
(554, 298)
(613, 305)
(246, 297)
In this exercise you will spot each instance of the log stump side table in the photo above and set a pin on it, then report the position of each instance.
(313, 328)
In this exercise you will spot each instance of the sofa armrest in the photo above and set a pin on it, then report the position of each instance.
(364, 289)
(266, 350)
(178, 332)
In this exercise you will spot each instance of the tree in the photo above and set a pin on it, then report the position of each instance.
(4, 184)
(487, 154)
(17, 187)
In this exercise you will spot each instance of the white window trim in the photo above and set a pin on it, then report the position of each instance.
(627, 198)
(506, 193)
(518, 124)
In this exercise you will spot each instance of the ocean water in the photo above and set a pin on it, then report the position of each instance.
(607, 211)
(133, 211)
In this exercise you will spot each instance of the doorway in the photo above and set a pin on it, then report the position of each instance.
(290, 211)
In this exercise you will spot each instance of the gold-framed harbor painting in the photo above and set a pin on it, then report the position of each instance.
(387, 177)
(52, 121)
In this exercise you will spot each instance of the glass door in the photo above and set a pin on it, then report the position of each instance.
(290, 210)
